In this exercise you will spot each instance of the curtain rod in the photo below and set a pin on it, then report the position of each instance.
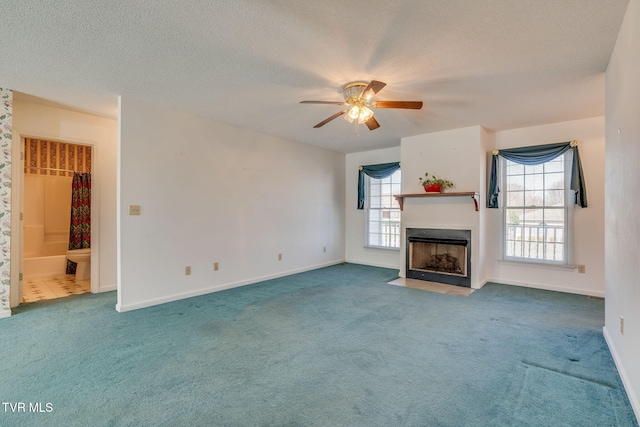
(52, 169)
(572, 143)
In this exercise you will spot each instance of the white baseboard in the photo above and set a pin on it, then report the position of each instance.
(175, 297)
(633, 398)
(107, 288)
(599, 294)
(373, 264)
(5, 313)
(482, 283)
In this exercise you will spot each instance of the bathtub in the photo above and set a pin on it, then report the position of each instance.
(41, 243)
(44, 267)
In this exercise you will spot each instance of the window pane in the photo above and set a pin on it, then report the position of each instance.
(537, 181)
(387, 201)
(533, 198)
(554, 181)
(515, 182)
(556, 165)
(514, 216)
(554, 217)
(533, 169)
(374, 239)
(383, 224)
(515, 198)
(374, 201)
(515, 169)
(535, 218)
(554, 198)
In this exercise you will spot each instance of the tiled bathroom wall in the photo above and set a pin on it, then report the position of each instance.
(6, 101)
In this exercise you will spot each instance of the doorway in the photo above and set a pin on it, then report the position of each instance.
(51, 204)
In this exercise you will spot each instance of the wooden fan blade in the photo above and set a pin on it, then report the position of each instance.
(375, 86)
(325, 121)
(411, 105)
(322, 102)
(372, 88)
(372, 123)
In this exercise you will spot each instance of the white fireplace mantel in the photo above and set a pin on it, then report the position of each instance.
(475, 196)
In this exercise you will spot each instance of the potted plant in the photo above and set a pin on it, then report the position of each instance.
(433, 184)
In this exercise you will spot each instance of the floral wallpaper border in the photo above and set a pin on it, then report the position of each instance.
(6, 109)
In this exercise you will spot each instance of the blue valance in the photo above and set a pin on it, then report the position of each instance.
(535, 156)
(380, 171)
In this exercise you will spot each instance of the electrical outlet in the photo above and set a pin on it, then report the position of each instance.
(324, 249)
(279, 257)
(134, 210)
(581, 269)
(622, 325)
(215, 266)
(187, 270)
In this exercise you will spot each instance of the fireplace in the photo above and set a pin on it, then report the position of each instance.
(439, 255)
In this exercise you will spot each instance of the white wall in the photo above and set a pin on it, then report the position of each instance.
(588, 222)
(38, 121)
(459, 156)
(622, 229)
(210, 192)
(355, 250)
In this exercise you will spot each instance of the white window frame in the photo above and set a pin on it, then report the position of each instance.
(569, 200)
(396, 208)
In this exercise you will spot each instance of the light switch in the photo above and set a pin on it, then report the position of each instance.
(134, 209)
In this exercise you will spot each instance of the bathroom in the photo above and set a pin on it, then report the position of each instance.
(37, 118)
(57, 183)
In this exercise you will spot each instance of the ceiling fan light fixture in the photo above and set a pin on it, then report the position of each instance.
(354, 112)
(366, 96)
(361, 114)
(358, 96)
(352, 91)
(365, 114)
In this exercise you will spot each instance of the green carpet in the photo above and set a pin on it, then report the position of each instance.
(330, 347)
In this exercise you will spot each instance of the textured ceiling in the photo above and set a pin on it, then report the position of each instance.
(498, 63)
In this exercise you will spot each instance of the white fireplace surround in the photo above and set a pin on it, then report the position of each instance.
(461, 156)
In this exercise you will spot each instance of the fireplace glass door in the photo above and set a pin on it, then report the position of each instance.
(438, 257)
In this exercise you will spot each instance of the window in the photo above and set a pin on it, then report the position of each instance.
(538, 211)
(383, 212)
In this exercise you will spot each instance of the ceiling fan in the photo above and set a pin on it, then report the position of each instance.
(357, 95)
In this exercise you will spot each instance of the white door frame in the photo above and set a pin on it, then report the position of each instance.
(17, 199)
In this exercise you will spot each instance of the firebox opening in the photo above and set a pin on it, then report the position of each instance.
(439, 255)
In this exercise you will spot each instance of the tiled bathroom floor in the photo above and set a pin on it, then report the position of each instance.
(58, 287)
